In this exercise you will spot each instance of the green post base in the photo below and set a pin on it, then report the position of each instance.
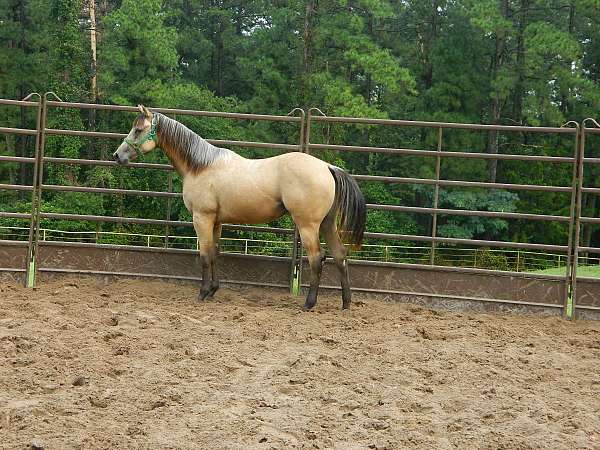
(31, 275)
(295, 286)
(570, 307)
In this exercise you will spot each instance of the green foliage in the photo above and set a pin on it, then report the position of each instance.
(138, 53)
(486, 259)
(511, 62)
(469, 227)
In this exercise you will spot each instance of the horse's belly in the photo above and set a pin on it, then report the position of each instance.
(250, 212)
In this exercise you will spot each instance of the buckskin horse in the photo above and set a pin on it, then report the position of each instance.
(220, 186)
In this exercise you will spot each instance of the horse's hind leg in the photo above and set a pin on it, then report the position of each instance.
(310, 241)
(338, 251)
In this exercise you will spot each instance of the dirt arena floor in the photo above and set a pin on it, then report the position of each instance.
(141, 364)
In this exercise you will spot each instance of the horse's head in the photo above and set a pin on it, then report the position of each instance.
(141, 137)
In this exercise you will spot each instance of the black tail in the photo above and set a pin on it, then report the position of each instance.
(349, 206)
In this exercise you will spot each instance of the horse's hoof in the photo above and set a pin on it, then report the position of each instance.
(212, 291)
(345, 306)
(307, 307)
(203, 295)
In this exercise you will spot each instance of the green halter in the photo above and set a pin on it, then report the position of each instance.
(151, 136)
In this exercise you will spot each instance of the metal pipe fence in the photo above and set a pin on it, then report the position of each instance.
(567, 251)
(438, 154)
(40, 160)
(584, 163)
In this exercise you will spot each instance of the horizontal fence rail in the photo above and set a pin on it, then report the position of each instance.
(564, 256)
(450, 125)
(441, 154)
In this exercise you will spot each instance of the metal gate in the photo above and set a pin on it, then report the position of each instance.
(570, 294)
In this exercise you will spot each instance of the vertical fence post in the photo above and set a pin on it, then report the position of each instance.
(436, 195)
(40, 180)
(32, 263)
(577, 218)
(296, 260)
(571, 263)
(33, 221)
(168, 227)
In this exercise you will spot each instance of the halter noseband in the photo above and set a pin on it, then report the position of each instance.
(151, 136)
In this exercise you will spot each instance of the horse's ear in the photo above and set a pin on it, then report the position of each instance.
(145, 111)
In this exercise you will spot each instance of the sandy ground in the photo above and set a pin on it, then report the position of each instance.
(140, 364)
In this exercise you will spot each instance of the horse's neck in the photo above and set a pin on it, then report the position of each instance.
(188, 152)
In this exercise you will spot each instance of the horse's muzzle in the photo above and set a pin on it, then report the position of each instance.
(119, 160)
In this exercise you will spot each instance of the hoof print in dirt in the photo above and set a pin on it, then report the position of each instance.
(121, 350)
(378, 425)
(78, 381)
(136, 430)
(99, 402)
(112, 335)
(311, 435)
(155, 405)
(263, 404)
(113, 321)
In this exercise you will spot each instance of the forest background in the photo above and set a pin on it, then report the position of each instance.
(526, 62)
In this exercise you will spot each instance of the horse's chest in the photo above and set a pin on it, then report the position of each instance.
(187, 201)
(198, 196)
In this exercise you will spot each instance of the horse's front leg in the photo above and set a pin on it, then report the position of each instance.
(204, 224)
(214, 287)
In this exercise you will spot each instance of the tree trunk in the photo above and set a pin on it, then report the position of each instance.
(307, 42)
(564, 98)
(495, 102)
(369, 81)
(492, 144)
(518, 92)
(590, 205)
(430, 42)
(21, 147)
(93, 79)
(10, 149)
(220, 58)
